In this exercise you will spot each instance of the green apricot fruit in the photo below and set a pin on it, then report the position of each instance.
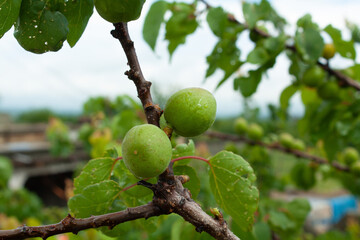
(350, 155)
(329, 51)
(298, 144)
(240, 126)
(146, 151)
(115, 11)
(328, 90)
(313, 76)
(286, 140)
(355, 168)
(255, 131)
(190, 111)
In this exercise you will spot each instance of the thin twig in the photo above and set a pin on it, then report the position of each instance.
(74, 225)
(152, 111)
(278, 147)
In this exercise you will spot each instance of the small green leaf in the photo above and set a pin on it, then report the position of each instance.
(345, 48)
(288, 219)
(232, 182)
(78, 14)
(153, 21)
(279, 220)
(262, 231)
(258, 55)
(286, 95)
(95, 171)
(39, 29)
(95, 199)
(194, 184)
(126, 178)
(182, 150)
(181, 24)
(254, 12)
(306, 22)
(309, 44)
(217, 20)
(9, 12)
(248, 85)
(225, 56)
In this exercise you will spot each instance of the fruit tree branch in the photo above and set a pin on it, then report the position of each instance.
(344, 80)
(169, 197)
(74, 225)
(152, 111)
(278, 147)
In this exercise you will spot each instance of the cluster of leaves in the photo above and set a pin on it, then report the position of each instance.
(42, 26)
(109, 122)
(102, 185)
(58, 135)
(331, 108)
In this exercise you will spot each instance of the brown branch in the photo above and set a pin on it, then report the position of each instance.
(169, 197)
(152, 111)
(74, 225)
(344, 79)
(278, 147)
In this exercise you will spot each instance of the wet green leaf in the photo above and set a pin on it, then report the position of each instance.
(78, 14)
(95, 199)
(194, 184)
(95, 171)
(9, 12)
(153, 21)
(232, 182)
(39, 29)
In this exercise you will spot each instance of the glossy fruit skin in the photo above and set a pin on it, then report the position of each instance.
(351, 155)
(255, 131)
(146, 151)
(115, 11)
(329, 51)
(190, 111)
(313, 76)
(240, 126)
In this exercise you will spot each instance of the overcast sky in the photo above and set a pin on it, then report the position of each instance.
(63, 80)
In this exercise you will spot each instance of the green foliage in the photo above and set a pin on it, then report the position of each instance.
(9, 12)
(153, 21)
(303, 175)
(35, 116)
(58, 135)
(345, 48)
(42, 26)
(232, 183)
(6, 170)
(20, 203)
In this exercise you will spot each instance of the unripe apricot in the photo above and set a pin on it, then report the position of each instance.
(286, 140)
(350, 155)
(255, 131)
(119, 10)
(313, 76)
(146, 151)
(190, 111)
(329, 51)
(240, 126)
